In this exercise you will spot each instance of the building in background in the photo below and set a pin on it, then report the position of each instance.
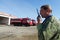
(5, 18)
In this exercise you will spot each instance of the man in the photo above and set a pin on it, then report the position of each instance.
(50, 28)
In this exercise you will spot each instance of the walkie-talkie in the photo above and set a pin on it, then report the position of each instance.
(38, 13)
(39, 16)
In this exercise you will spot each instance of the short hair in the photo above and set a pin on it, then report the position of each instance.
(46, 7)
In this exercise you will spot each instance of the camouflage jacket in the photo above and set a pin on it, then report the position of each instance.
(49, 29)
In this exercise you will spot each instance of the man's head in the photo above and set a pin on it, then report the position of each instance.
(45, 11)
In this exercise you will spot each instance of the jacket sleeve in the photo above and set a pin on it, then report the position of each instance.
(39, 26)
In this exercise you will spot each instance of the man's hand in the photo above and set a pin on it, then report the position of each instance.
(38, 19)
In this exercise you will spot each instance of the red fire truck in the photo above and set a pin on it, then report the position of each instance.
(23, 21)
(16, 22)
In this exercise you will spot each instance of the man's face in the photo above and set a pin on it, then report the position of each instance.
(43, 12)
